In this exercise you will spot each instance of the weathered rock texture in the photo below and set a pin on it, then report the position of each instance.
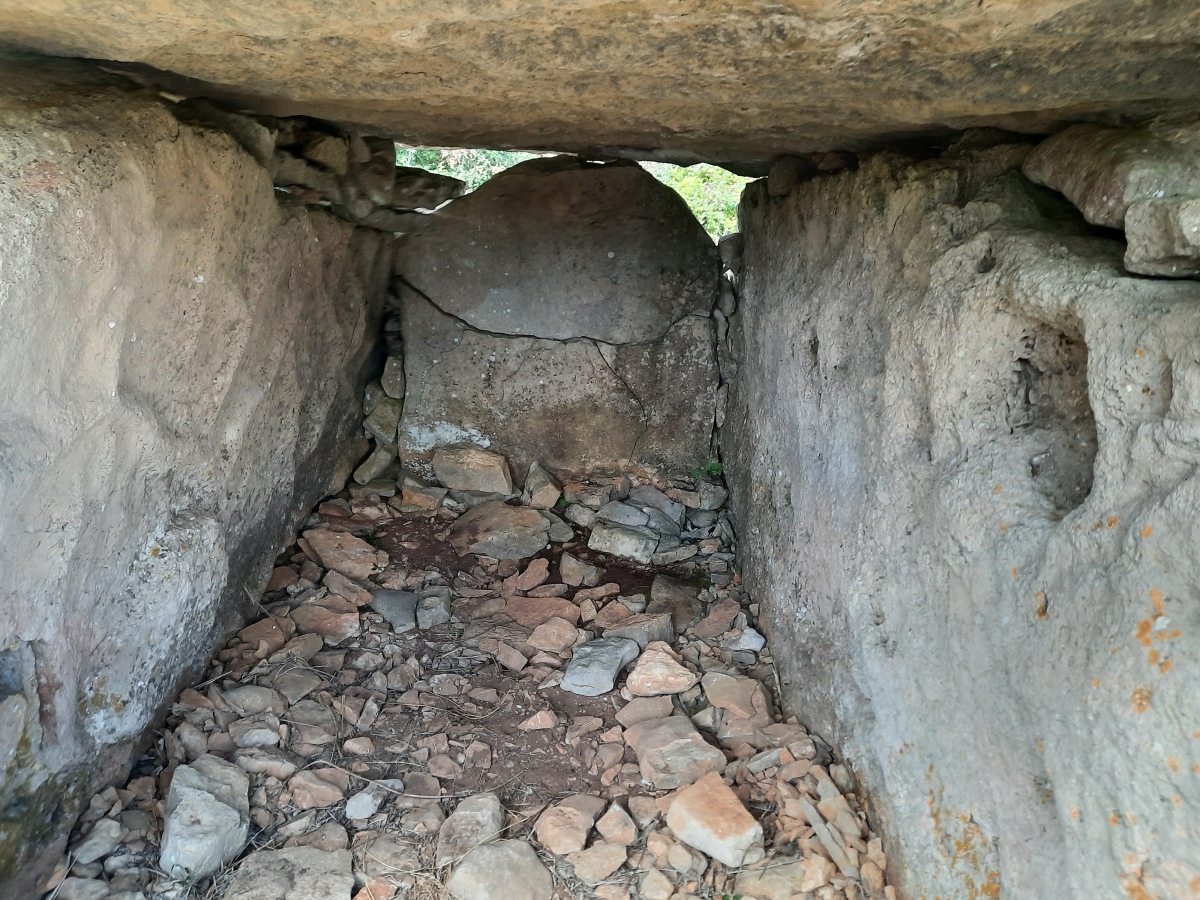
(741, 81)
(999, 629)
(181, 376)
(558, 248)
(560, 314)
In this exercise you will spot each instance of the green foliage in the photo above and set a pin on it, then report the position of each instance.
(711, 192)
(472, 166)
(712, 467)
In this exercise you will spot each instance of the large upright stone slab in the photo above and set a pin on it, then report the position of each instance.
(557, 248)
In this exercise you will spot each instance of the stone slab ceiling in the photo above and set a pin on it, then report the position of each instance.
(734, 80)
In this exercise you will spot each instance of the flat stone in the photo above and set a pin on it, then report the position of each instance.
(381, 424)
(206, 818)
(560, 531)
(542, 489)
(279, 764)
(399, 608)
(416, 497)
(554, 635)
(622, 514)
(333, 618)
(649, 496)
(82, 889)
(617, 827)
(472, 469)
(645, 628)
(315, 789)
(252, 699)
(718, 620)
(392, 379)
(535, 574)
(500, 531)
(742, 696)
(563, 829)
(276, 631)
(679, 598)
(103, 839)
(643, 709)
(576, 572)
(293, 873)
(658, 671)
(671, 753)
(708, 816)
(598, 862)
(295, 685)
(534, 611)
(508, 869)
(620, 540)
(351, 556)
(362, 805)
(476, 819)
(387, 855)
(594, 666)
(749, 640)
(433, 611)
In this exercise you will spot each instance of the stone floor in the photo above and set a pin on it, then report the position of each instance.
(411, 718)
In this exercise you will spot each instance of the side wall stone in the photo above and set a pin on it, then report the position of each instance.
(183, 358)
(962, 445)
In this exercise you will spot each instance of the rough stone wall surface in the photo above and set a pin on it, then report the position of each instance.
(963, 446)
(182, 365)
(738, 80)
(561, 314)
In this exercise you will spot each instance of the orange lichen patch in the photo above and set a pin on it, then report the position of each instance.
(1074, 812)
(1141, 354)
(1156, 597)
(1095, 682)
(1196, 768)
(155, 551)
(1147, 531)
(1173, 763)
(1098, 524)
(973, 855)
(1135, 890)
(1111, 522)
(1194, 885)
(1153, 657)
(1114, 819)
(1166, 666)
(1131, 818)
(1014, 571)
(1196, 735)
(1004, 528)
(1144, 628)
(1141, 698)
(1177, 800)
(997, 489)
(1042, 609)
(1040, 744)
(1171, 635)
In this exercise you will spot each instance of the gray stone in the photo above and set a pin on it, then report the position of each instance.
(196, 429)
(560, 531)
(500, 531)
(712, 495)
(373, 395)
(82, 889)
(418, 189)
(103, 840)
(660, 522)
(206, 818)
(252, 699)
(749, 639)
(1103, 170)
(476, 819)
(382, 456)
(509, 869)
(638, 544)
(621, 514)
(542, 490)
(1163, 237)
(392, 379)
(362, 805)
(381, 424)
(433, 610)
(671, 752)
(731, 248)
(644, 628)
(472, 469)
(679, 598)
(594, 666)
(558, 249)
(293, 873)
(583, 516)
(398, 607)
(647, 495)
(577, 573)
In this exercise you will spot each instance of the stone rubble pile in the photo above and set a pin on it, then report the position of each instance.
(352, 175)
(413, 717)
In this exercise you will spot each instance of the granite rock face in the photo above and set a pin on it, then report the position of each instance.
(961, 444)
(746, 84)
(185, 386)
